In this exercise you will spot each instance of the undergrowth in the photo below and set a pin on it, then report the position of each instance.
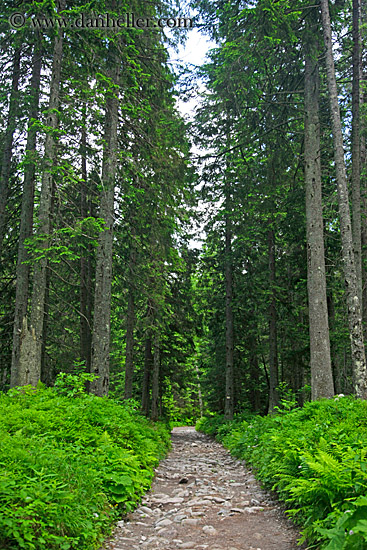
(71, 463)
(315, 458)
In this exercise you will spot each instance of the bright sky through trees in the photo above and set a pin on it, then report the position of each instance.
(193, 52)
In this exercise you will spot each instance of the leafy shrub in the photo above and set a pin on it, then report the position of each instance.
(70, 466)
(72, 385)
(219, 427)
(315, 458)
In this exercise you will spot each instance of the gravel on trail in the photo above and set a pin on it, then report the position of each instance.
(202, 498)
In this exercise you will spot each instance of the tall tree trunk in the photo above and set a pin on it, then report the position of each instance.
(364, 235)
(335, 357)
(31, 344)
(148, 363)
(8, 146)
(130, 324)
(356, 165)
(321, 372)
(155, 377)
(229, 398)
(363, 161)
(26, 218)
(300, 382)
(46, 375)
(254, 373)
(100, 364)
(273, 344)
(200, 396)
(85, 271)
(353, 304)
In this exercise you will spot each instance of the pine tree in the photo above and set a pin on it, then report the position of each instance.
(100, 363)
(321, 373)
(32, 339)
(354, 310)
(26, 221)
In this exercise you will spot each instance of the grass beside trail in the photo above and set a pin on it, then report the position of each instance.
(70, 466)
(315, 458)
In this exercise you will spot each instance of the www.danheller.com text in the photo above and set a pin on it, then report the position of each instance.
(99, 21)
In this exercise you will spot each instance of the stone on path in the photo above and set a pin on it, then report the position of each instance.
(209, 530)
(203, 499)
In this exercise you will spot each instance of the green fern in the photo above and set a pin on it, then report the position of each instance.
(315, 458)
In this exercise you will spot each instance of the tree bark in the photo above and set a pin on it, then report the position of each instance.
(85, 271)
(100, 364)
(130, 325)
(46, 374)
(31, 344)
(8, 146)
(273, 344)
(363, 160)
(229, 398)
(148, 362)
(254, 373)
(321, 372)
(353, 304)
(155, 377)
(364, 235)
(336, 363)
(356, 160)
(26, 218)
(200, 396)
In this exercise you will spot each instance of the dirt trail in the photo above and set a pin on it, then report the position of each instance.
(202, 498)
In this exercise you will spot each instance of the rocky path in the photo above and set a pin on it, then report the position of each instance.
(202, 498)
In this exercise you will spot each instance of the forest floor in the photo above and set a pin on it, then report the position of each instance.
(202, 498)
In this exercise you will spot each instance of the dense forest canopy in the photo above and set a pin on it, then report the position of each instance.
(100, 198)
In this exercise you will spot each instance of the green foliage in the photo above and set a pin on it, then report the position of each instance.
(315, 458)
(217, 426)
(67, 243)
(70, 465)
(73, 385)
(287, 398)
(350, 531)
